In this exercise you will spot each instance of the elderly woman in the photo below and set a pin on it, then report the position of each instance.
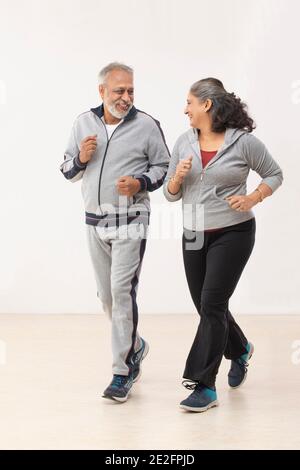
(208, 170)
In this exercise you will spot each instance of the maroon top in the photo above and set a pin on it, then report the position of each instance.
(206, 157)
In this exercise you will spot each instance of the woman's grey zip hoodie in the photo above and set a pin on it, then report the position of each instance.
(136, 148)
(204, 190)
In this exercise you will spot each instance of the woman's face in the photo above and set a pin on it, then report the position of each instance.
(196, 110)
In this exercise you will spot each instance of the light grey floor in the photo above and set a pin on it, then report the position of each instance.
(57, 366)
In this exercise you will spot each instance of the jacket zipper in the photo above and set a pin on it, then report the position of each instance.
(203, 169)
(221, 153)
(101, 170)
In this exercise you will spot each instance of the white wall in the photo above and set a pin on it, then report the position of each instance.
(50, 54)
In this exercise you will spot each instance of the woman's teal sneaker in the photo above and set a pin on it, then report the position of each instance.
(201, 399)
(239, 368)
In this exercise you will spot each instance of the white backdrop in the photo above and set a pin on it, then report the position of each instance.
(50, 54)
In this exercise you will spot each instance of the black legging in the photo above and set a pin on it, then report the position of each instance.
(212, 273)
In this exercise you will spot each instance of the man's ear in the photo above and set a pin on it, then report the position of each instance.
(101, 91)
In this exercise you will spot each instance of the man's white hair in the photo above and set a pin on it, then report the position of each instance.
(109, 68)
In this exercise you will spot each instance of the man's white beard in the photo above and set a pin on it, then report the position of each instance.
(117, 114)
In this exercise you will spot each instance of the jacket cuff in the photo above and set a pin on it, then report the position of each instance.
(79, 164)
(169, 196)
(142, 181)
(273, 182)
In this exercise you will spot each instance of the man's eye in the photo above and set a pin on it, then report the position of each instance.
(120, 92)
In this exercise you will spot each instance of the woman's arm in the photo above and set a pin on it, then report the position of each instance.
(172, 188)
(260, 193)
(182, 169)
(260, 160)
(174, 185)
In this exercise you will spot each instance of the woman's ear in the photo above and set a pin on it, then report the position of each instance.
(208, 105)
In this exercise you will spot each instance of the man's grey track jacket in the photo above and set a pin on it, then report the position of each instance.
(136, 148)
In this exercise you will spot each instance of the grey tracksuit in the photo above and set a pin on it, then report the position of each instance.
(225, 175)
(137, 147)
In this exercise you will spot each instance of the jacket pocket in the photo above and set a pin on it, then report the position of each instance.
(218, 202)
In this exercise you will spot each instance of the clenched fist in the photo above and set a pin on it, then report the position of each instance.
(87, 148)
(183, 168)
(128, 186)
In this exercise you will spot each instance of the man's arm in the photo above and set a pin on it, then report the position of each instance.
(75, 158)
(159, 158)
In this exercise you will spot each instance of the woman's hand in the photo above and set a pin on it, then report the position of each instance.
(241, 203)
(182, 169)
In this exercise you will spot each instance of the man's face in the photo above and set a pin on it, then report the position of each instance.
(118, 93)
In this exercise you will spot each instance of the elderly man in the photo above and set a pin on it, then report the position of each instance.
(120, 154)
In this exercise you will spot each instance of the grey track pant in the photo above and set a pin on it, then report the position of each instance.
(117, 264)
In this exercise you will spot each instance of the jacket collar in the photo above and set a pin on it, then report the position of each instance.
(231, 135)
(99, 111)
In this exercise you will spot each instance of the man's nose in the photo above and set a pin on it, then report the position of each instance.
(126, 97)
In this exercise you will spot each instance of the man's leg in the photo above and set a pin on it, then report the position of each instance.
(127, 256)
(100, 251)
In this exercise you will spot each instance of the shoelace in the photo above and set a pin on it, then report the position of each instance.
(243, 365)
(190, 384)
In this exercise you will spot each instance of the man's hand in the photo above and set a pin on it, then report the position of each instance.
(240, 203)
(128, 186)
(87, 148)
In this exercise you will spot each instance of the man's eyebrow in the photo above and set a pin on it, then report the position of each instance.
(123, 88)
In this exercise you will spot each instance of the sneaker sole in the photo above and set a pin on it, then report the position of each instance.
(143, 357)
(198, 409)
(248, 358)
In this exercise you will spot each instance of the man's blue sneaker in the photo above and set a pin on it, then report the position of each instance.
(119, 388)
(238, 370)
(137, 359)
(201, 399)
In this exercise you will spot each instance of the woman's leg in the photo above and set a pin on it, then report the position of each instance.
(212, 282)
(235, 338)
